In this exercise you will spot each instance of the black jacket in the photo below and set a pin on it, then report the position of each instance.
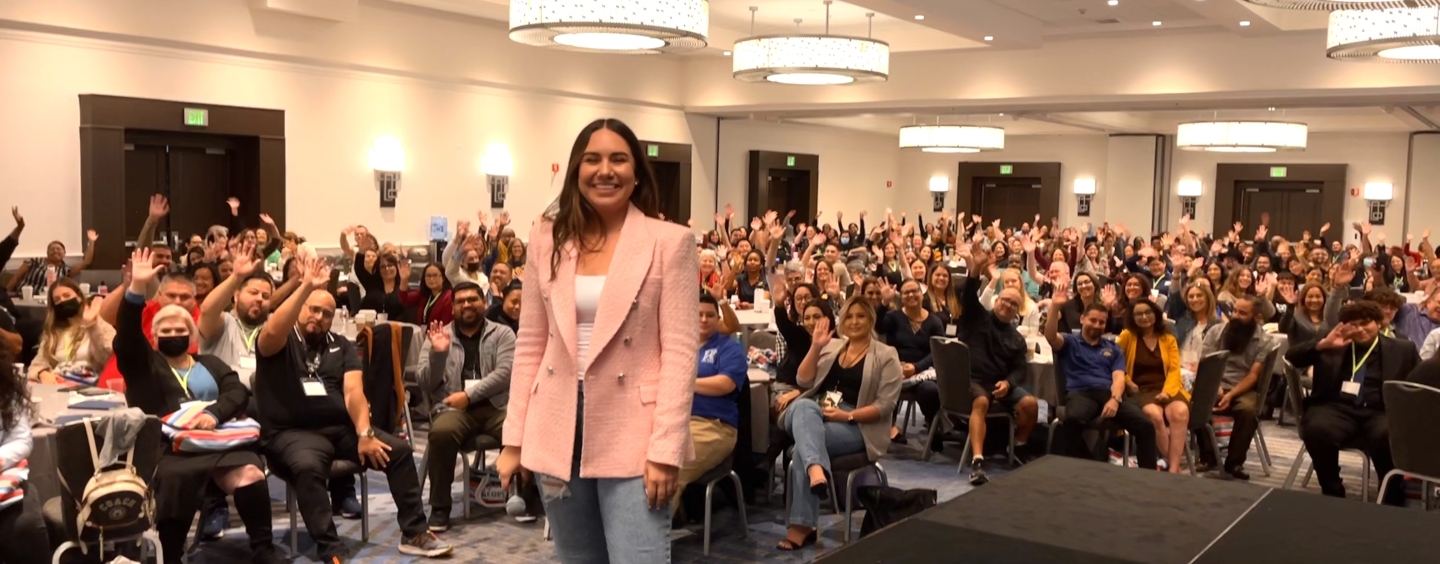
(1398, 359)
(149, 383)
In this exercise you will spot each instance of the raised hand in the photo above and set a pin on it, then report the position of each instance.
(1425, 234)
(141, 269)
(243, 261)
(1365, 228)
(1324, 228)
(729, 210)
(887, 290)
(234, 204)
(1027, 244)
(1264, 219)
(504, 218)
(439, 337)
(266, 219)
(1107, 295)
(719, 220)
(1344, 274)
(1061, 293)
(317, 273)
(1380, 238)
(1260, 232)
(1289, 294)
(92, 310)
(92, 236)
(820, 336)
(159, 206)
(755, 224)
(1337, 338)
(19, 219)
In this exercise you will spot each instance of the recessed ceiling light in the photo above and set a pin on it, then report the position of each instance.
(1272, 108)
(1002, 113)
(1114, 2)
(727, 53)
(989, 37)
(919, 16)
(1245, 23)
(1157, 24)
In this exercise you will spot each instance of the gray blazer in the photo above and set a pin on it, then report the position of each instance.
(880, 387)
(440, 371)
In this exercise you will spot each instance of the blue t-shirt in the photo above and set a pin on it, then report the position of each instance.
(1089, 367)
(202, 384)
(722, 355)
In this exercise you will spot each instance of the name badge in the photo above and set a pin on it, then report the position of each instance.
(1351, 388)
(247, 363)
(314, 388)
(465, 384)
(949, 330)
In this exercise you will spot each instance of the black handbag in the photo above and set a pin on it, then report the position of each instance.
(885, 505)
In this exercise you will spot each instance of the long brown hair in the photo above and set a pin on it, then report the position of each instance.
(570, 213)
(50, 335)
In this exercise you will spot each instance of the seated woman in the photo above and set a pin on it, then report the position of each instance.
(941, 298)
(75, 343)
(908, 330)
(795, 323)
(21, 525)
(752, 278)
(432, 303)
(41, 272)
(865, 374)
(1087, 292)
(1152, 374)
(507, 311)
(157, 381)
(394, 277)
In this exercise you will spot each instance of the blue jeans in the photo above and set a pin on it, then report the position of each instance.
(602, 520)
(816, 440)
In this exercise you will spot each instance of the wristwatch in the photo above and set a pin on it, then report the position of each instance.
(368, 433)
(850, 418)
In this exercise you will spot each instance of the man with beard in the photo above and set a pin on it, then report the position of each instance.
(1247, 347)
(1351, 364)
(465, 368)
(499, 280)
(1094, 370)
(310, 401)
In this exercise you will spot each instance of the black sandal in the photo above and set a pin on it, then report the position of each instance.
(788, 546)
(821, 490)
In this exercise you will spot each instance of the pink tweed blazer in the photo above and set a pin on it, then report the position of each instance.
(640, 380)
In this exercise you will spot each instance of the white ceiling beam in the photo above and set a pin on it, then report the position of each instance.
(1087, 123)
(971, 19)
(1411, 117)
(329, 10)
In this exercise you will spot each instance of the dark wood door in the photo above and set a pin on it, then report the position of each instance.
(146, 167)
(790, 190)
(200, 182)
(1013, 201)
(667, 183)
(1294, 207)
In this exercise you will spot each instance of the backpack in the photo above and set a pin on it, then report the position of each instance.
(113, 499)
(885, 505)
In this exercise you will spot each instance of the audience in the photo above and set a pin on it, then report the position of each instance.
(1095, 382)
(1247, 349)
(1346, 407)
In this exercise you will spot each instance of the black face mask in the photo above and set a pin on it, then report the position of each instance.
(473, 266)
(67, 309)
(173, 346)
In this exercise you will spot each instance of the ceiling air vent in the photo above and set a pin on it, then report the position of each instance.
(1107, 21)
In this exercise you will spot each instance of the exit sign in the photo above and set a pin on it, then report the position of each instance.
(1277, 172)
(1007, 169)
(789, 161)
(652, 150)
(197, 117)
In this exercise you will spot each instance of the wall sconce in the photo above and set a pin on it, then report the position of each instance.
(1378, 195)
(497, 166)
(1189, 194)
(1084, 190)
(387, 159)
(939, 185)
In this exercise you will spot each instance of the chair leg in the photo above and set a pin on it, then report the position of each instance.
(294, 533)
(1190, 452)
(364, 507)
(1050, 437)
(1294, 469)
(465, 489)
(1309, 471)
(424, 472)
(154, 537)
(546, 532)
(930, 438)
(909, 414)
(1010, 432)
(1264, 451)
(1365, 477)
(1385, 482)
(849, 503)
(965, 455)
(1215, 444)
(740, 504)
(709, 498)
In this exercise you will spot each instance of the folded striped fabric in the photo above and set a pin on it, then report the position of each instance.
(10, 481)
(229, 435)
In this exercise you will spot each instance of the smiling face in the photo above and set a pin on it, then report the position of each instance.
(204, 281)
(1134, 288)
(1314, 299)
(802, 297)
(435, 278)
(607, 173)
(857, 322)
(1085, 287)
(55, 252)
(812, 316)
(1144, 316)
(1197, 301)
(939, 280)
(917, 269)
(910, 295)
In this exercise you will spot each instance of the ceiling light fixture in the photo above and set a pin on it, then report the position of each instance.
(1332, 5)
(919, 17)
(1114, 2)
(1245, 23)
(952, 138)
(612, 26)
(1241, 136)
(1156, 24)
(812, 59)
(727, 53)
(989, 37)
(1396, 35)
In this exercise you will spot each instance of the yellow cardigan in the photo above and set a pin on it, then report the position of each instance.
(1169, 355)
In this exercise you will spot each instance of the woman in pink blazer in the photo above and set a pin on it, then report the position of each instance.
(605, 359)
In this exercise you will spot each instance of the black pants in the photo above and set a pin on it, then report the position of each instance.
(1246, 412)
(1328, 426)
(341, 487)
(927, 394)
(1083, 407)
(23, 537)
(303, 457)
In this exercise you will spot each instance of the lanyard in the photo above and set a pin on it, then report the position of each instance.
(185, 380)
(425, 316)
(1356, 366)
(312, 364)
(71, 348)
(249, 337)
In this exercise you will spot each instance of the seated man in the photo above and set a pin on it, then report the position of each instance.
(1346, 405)
(1248, 347)
(997, 357)
(715, 413)
(1094, 370)
(470, 385)
(312, 409)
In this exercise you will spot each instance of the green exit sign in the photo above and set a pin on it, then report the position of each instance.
(652, 150)
(789, 161)
(1277, 172)
(1007, 169)
(197, 117)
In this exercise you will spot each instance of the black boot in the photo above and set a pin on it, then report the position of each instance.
(252, 502)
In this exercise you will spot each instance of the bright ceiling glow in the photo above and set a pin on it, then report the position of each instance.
(1245, 23)
(1241, 136)
(1157, 24)
(1396, 35)
(614, 26)
(1114, 2)
(952, 138)
(989, 37)
(919, 16)
(1332, 5)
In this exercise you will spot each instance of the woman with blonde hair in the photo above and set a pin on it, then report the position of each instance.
(1029, 313)
(866, 376)
(75, 343)
(1201, 315)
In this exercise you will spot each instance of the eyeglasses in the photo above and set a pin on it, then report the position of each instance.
(1144, 313)
(911, 293)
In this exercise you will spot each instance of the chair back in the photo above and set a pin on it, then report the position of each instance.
(1061, 390)
(952, 374)
(383, 351)
(1293, 391)
(761, 340)
(1262, 385)
(1413, 411)
(1207, 389)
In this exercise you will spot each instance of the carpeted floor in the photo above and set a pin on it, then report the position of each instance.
(491, 536)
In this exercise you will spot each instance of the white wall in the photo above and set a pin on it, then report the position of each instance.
(854, 166)
(1372, 157)
(1080, 156)
(333, 117)
(1129, 189)
(1424, 198)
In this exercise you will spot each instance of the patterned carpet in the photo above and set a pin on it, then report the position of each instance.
(490, 536)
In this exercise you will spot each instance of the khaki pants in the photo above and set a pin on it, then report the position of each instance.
(449, 432)
(714, 441)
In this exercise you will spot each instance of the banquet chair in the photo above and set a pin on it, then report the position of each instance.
(1057, 418)
(1413, 411)
(952, 376)
(714, 477)
(1202, 405)
(76, 468)
(338, 468)
(850, 466)
(1295, 390)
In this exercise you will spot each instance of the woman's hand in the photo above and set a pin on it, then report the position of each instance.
(508, 465)
(660, 484)
(204, 422)
(1162, 398)
(836, 415)
(821, 335)
(784, 400)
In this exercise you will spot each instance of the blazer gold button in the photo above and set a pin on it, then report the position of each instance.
(627, 341)
(550, 369)
(635, 304)
(622, 377)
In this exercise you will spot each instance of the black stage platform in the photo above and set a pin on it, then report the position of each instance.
(1060, 510)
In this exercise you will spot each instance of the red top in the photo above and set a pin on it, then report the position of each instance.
(147, 320)
(439, 308)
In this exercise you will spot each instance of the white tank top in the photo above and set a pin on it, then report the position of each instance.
(587, 303)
